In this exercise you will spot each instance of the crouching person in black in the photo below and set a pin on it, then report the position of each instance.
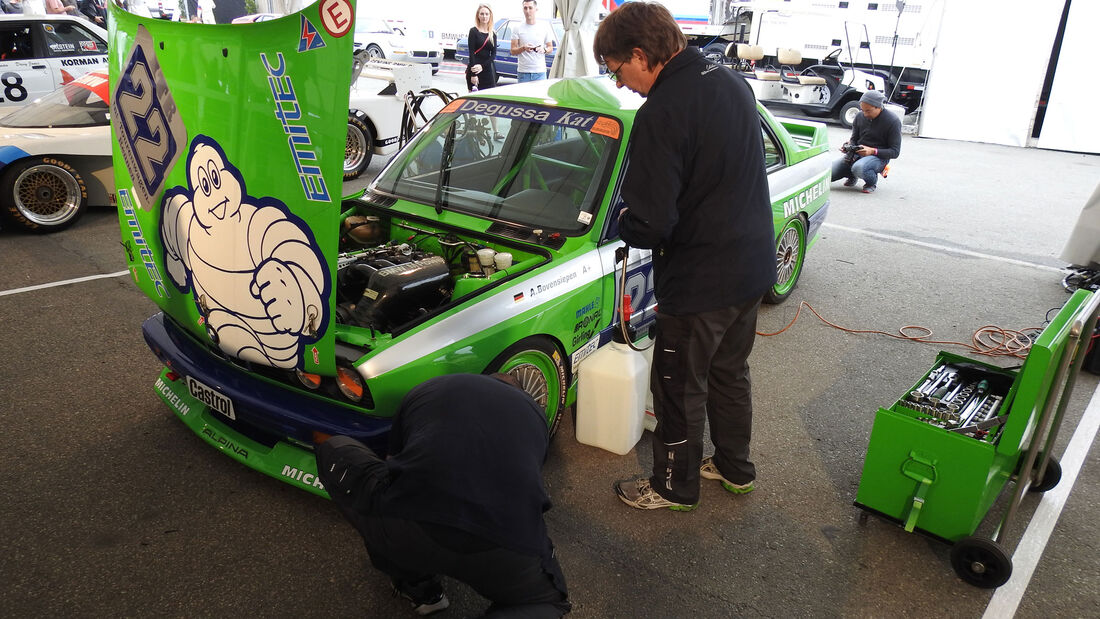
(875, 140)
(461, 495)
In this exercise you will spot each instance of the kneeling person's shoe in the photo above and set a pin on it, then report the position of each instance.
(639, 494)
(710, 471)
(869, 188)
(850, 181)
(426, 596)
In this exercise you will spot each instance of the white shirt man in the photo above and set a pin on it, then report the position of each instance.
(531, 41)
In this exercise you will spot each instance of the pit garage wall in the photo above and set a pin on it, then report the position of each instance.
(1071, 121)
(988, 70)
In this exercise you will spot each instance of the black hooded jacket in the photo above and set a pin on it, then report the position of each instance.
(697, 189)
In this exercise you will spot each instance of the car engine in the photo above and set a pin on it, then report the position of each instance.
(385, 287)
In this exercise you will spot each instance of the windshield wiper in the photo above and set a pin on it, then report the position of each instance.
(445, 168)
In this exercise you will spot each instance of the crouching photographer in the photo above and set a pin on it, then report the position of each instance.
(875, 140)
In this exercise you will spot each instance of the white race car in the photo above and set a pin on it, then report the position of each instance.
(38, 53)
(378, 107)
(55, 156)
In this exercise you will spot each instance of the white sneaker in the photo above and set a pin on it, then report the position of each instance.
(709, 471)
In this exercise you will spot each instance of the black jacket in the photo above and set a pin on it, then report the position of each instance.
(466, 451)
(697, 189)
(92, 10)
(883, 133)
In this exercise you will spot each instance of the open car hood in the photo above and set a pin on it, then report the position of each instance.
(228, 143)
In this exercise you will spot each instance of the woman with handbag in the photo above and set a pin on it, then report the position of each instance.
(482, 42)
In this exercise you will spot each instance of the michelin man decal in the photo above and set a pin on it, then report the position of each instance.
(254, 268)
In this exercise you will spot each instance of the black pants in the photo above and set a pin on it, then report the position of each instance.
(518, 585)
(701, 372)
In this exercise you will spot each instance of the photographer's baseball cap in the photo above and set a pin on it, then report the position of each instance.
(873, 97)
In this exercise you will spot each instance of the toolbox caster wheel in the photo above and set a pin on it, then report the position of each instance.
(981, 562)
(1050, 479)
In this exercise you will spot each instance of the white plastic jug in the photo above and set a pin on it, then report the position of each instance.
(611, 394)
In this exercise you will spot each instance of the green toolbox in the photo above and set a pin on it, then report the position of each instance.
(939, 456)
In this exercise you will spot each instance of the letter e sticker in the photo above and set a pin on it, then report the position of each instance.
(337, 16)
(147, 123)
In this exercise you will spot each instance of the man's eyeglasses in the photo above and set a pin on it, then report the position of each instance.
(614, 75)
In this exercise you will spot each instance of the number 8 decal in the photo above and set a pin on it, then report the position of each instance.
(13, 86)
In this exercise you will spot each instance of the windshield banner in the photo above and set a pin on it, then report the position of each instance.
(228, 145)
(593, 123)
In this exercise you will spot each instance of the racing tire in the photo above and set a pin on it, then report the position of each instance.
(790, 253)
(848, 113)
(43, 194)
(373, 51)
(357, 147)
(981, 562)
(538, 365)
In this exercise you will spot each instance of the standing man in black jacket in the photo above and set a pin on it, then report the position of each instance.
(876, 139)
(696, 193)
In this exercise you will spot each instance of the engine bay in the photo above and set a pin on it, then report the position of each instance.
(393, 273)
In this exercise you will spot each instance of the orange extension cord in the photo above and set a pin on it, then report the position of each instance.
(989, 340)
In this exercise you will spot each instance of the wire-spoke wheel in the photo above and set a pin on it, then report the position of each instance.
(357, 148)
(537, 365)
(790, 252)
(44, 195)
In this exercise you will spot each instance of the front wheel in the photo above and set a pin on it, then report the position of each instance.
(790, 253)
(981, 562)
(44, 194)
(357, 148)
(537, 364)
(848, 114)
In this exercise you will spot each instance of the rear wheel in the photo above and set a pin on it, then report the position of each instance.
(848, 113)
(715, 52)
(357, 148)
(790, 252)
(537, 364)
(44, 194)
(1051, 477)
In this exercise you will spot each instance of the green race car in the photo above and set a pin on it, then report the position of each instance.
(289, 315)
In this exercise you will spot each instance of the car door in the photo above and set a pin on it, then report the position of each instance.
(69, 49)
(505, 62)
(22, 75)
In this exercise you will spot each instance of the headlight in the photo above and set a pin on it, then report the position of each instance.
(309, 381)
(350, 383)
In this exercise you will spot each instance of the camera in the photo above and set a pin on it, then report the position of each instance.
(849, 148)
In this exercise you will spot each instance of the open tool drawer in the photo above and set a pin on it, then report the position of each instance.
(940, 455)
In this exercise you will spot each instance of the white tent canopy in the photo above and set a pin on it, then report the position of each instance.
(574, 55)
(988, 71)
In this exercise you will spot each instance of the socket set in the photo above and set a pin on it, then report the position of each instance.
(960, 399)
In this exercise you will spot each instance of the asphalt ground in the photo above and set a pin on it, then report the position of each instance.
(113, 508)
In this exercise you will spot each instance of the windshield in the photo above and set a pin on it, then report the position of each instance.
(547, 170)
(370, 24)
(72, 105)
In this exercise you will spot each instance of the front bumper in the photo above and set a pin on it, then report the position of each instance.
(274, 425)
